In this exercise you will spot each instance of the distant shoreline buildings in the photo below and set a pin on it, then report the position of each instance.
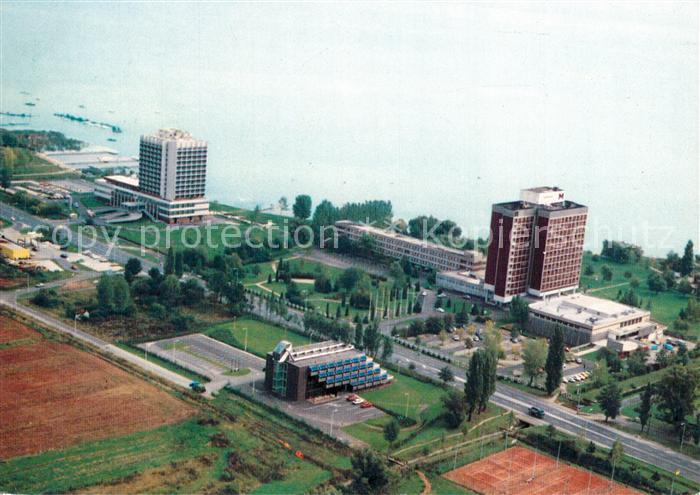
(171, 182)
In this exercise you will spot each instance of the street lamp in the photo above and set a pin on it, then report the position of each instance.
(330, 433)
(683, 437)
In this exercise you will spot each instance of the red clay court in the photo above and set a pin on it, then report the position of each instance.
(518, 470)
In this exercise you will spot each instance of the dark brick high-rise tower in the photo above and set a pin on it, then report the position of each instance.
(536, 245)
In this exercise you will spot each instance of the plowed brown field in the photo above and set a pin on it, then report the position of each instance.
(522, 471)
(53, 396)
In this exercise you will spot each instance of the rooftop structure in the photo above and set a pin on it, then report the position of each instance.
(320, 369)
(463, 282)
(590, 319)
(418, 251)
(536, 245)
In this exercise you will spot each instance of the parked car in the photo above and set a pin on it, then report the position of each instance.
(440, 310)
(39, 285)
(359, 400)
(197, 387)
(455, 337)
(64, 256)
(366, 405)
(536, 412)
(579, 360)
(352, 397)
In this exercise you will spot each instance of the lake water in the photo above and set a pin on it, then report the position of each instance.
(443, 109)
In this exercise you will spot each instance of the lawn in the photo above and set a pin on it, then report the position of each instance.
(417, 440)
(665, 306)
(262, 337)
(319, 300)
(407, 396)
(89, 200)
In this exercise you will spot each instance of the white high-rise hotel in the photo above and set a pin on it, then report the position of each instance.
(172, 179)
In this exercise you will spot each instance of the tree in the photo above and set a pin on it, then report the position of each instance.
(169, 267)
(688, 260)
(606, 272)
(387, 348)
(554, 366)
(677, 391)
(588, 271)
(644, 408)
(178, 265)
(591, 447)
(169, 291)
(391, 431)
(534, 358)
(519, 310)
(369, 473)
(656, 282)
(492, 340)
(446, 375)
(302, 206)
(105, 294)
(476, 376)
(5, 174)
(616, 452)
(610, 400)
(131, 269)
(453, 408)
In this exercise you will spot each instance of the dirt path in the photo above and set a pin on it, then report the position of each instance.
(427, 488)
(622, 284)
(453, 435)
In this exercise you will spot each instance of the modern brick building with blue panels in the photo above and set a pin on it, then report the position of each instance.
(321, 369)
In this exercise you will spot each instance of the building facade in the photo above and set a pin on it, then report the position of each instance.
(536, 245)
(171, 183)
(585, 319)
(419, 252)
(462, 282)
(321, 369)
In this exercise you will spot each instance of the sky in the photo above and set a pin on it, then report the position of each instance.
(443, 108)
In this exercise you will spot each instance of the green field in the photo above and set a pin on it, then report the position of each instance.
(262, 337)
(407, 395)
(665, 306)
(26, 163)
(98, 462)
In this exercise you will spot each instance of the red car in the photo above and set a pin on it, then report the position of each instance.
(351, 397)
(366, 405)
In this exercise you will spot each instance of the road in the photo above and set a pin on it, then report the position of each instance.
(108, 250)
(561, 417)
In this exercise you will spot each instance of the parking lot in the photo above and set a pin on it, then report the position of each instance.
(208, 357)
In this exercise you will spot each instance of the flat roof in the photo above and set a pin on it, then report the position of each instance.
(524, 205)
(586, 310)
(124, 179)
(409, 239)
(464, 275)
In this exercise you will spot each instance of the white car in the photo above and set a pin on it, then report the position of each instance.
(358, 401)
(440, 310)
(455, 337)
